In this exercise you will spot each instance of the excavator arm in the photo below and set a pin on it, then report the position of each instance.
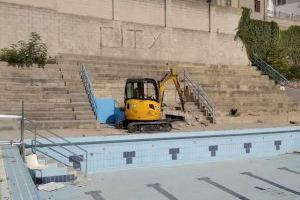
(171, 76)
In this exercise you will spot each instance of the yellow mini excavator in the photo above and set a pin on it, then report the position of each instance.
(143, 103)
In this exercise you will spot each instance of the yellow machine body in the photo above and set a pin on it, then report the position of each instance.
(142, 110)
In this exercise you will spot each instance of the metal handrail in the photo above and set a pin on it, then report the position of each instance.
(56, 151)
(56, 143)
(269, 70)
(200, 94)
(10, 142)
(88, 88)
(52, 157)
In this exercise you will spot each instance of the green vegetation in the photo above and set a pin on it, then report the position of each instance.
(279, 48)
(26, 53)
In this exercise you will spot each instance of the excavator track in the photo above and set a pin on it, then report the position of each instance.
(149, 127)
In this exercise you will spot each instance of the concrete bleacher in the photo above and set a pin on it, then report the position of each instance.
(109, 75)
(254, 96)
(55, 96)
(51, 98)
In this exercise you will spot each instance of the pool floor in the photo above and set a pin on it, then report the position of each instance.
(273, 178)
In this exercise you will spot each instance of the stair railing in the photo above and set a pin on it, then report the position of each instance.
(31, 127)
(269, 70)
(199, 94)
(88, 88)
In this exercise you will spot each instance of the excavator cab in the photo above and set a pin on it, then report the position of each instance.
(142, 100)
(142, 89)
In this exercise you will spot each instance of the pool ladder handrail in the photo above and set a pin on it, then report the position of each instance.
(53, 143)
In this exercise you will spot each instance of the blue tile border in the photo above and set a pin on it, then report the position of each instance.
(147, 150)
(174, 152)
(277, 143)
(213, 149)
(57, 179)
(170, 136)
(129, 155)
(248, 146)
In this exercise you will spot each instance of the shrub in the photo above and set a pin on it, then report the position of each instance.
(279, 48)
(26, 53)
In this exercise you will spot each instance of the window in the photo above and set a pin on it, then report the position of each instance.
(257, 5)
(281, 2)
(227, 2)
(141, 89)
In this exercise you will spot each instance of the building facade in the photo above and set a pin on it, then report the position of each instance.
(261, 9)
(289, 9)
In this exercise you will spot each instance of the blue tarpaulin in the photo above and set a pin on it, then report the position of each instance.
(107, 113)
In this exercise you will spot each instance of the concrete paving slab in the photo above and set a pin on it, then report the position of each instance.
(262, 179)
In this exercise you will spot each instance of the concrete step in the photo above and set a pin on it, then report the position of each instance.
(252, 119)
(230, 82)
(40, 105)
(90, 116)
(33, 101)
(253, 112)
(30, 76)
(29, 71)
(239, 94)
(58, 117)
(67, 124)
(35, 91)
(238, 86)
(32, 82)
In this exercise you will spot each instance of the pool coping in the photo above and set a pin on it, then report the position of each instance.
(168, 136)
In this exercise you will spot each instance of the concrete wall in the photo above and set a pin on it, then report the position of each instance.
(192, 15)
(225, 19)
(65, 33)
(141, 11)
(95, 8)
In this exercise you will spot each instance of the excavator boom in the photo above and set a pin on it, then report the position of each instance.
(171, 76)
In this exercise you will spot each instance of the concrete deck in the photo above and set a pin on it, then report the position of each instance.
(15, 180)
(260, 179)
(14, 134)
(5, 192)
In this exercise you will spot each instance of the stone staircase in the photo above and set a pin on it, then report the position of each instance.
(109, 75)
(51, 98)
(57, 172)
(241, 94)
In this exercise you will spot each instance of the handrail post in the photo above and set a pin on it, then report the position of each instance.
(86, 163)
(184, 79)
(22, 133)
(198, 92)
(35, 137)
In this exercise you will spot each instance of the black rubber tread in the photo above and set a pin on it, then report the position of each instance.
(149, 127)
